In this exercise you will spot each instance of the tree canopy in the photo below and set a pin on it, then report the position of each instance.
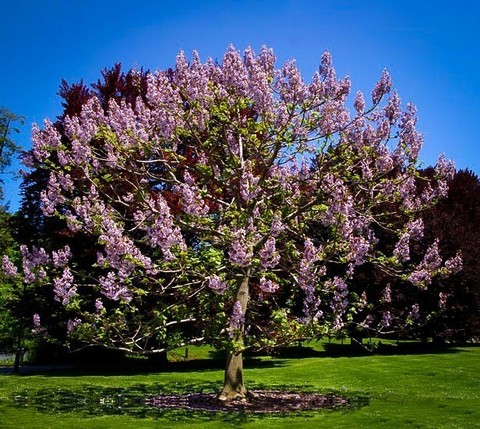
(230, 203)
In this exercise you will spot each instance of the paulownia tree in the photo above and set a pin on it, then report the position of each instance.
(199, 199)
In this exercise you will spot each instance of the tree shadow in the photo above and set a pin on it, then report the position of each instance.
(143, 367)
(120, 365)
(388, 349)
(93, 401)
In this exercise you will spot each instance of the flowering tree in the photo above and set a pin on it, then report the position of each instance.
(230, 204)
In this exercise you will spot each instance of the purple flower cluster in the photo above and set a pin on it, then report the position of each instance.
(277, 226)
(409, 136)
(240, 252)
(99, 305)
(454, 265)
(442, 300)
(269, 257)
(52, 197)
(33, 263)
(387, 294)
(393, 109)
(111, 287)
(192, 202)
(414, 313)
(339, 302)
(268, 286)
(307, 278)
(119, 251)
(402, 248)
(248, 184)
(415, 229)
(72, 324)
(61, 257)
(290, 85)
(36, 322)
(359, 247)
(238, 318)
(386, 319)
(217, 284)
(431, 263)
(158, 223)
(359, 103)
(261, 72)
(382, 87)
(64, 288)
(9, 269)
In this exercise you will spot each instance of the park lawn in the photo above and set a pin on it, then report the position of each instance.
(403, 388)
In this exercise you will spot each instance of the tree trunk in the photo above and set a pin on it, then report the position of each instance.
(234, 387)
(16, 365)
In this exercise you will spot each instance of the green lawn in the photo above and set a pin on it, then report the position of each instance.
(401, 388)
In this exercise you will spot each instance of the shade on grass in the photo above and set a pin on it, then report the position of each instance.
(411, 388)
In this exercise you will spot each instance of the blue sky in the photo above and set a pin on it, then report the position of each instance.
(431, 49)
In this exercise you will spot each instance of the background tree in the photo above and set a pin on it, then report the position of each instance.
(455, 220)
(8, 148)
(11, 326)
(196, 196)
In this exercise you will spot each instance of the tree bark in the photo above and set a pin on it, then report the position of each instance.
(234, 386)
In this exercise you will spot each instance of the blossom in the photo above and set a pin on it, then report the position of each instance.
(420, 277)
(359, 103)
(248, 184)
(307, 277)
(277, 226)
(402, 248)
(386, 319)
(454, 265)
(64, 288)
(238, 318)
(192, 202)
(32, 263)
(99, 305)
(36, 322)
(387, 294)
(9, 269)
(112, 288)
(339, 301)
(158, 223)
(269, 257)
(61, 257)
(268, 286)
(414, 313)
(442, 300)
(359, 247)
(72, 324)
(382, 87)
(393, 110)
(240, 252)
(444, 168)
(216, 284)
(415, 229)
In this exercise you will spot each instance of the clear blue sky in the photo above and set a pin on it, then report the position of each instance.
(431, 49)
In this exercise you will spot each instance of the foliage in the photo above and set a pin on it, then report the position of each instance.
(455, 220)
(194, 200)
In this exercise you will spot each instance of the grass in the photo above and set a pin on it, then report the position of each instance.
(399, 387)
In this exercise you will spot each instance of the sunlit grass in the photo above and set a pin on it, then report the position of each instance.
(406, 388)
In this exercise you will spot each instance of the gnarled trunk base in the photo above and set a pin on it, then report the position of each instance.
(233, 387)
